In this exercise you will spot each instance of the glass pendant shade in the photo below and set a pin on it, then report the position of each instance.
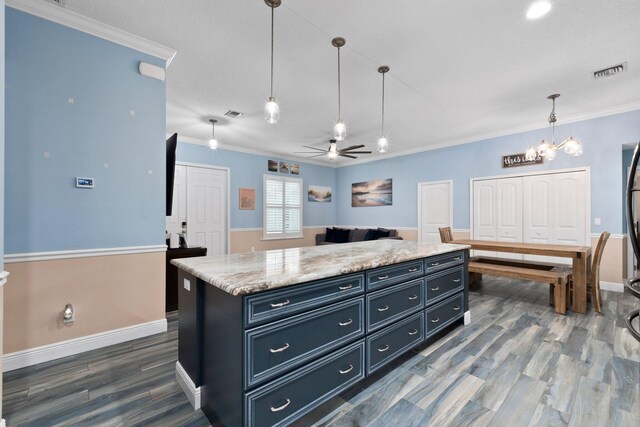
(544, 148)
(333, 151)
(551, 154)
(531, 154)
(213, 143)
(383, 145)
(340, 131)
(272, 111)
(572, 147)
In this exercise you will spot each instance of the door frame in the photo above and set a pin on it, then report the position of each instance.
(228, 171)
(585, 169)
(420, 184)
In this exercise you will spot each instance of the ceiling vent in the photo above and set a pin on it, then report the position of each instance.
(611, 71)
(233, 114)
(62, 3)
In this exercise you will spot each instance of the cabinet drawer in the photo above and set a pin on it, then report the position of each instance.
(287, 399)
(386, 276)
(441, 315)
(386, 345)
(395, 302)
(277, 347)
(274, 305)
(442, 262)
(444, 283)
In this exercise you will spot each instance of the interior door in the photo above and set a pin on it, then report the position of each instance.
(207, 209)
(435, 209)
(509, 213)
(538, 205)
(484, 213)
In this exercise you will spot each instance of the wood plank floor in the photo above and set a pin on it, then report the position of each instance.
(517, 364)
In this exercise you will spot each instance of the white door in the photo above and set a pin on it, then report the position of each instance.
(509, 213)
(207, 209)
(435, 209)
(484, 213)
(179, 206)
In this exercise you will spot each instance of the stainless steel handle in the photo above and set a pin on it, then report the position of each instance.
(456, 280)
(437, 288)
(280, 408)
(413, 270)
(280, 304)
(457, 258)
(412, 297)
(348, 322)
(415, 331)
(456, 308)
(385, 308)
(346, 371)
(433, 264)
(386, 276)
(383, 349)
(279, 350)
(436, 320)
(344, 288)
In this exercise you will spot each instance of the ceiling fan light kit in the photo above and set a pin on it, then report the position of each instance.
(271, 108)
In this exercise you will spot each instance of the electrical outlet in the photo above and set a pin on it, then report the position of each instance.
(596, 221)
(187, 285)
(253, 248)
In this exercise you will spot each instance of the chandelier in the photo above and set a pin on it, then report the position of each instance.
(549, 150)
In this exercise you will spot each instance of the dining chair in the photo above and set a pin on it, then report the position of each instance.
(445, 234)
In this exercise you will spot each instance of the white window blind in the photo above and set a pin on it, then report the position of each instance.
(282, 207)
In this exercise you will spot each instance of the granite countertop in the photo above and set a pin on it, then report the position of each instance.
(247, 273)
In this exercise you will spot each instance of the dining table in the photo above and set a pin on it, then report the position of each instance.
(580, 256)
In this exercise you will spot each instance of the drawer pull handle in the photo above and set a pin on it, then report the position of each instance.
(412, 297)
(279, 350)
(385, 308)
(456, 280)
(280, 408)
(433, 264)
(437, 288)
(280, 304)
(383, 349)
(413, 270)
(456, 308)
(457, 258)
(344, 288)
(386, 276)
(346, 371)
(415, 331)
(348, 322)
(436, 320)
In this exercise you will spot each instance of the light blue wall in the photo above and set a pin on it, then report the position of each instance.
(46, 64)
(247, 170)
(1, 135)
(602, 140)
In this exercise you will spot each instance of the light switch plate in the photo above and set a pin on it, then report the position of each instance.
(187, 284)
(596, 221)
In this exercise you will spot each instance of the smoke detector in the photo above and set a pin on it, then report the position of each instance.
(610, 71)
(233, 114)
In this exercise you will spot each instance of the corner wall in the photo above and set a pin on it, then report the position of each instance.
(2, 51)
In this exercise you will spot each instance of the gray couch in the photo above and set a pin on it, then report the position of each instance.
(357, 235)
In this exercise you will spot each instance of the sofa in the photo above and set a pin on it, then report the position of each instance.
(336, 235)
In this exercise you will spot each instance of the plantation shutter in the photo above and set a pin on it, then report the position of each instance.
(282, 207)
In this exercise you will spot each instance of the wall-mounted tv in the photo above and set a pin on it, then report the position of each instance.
(172, 143)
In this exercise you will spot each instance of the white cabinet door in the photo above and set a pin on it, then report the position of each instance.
(484, 213)
(509, 212)
(570, 217)
(207, 209)
(435, 209)
(179, 206)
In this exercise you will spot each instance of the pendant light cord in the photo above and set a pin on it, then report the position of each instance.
(339, 97)
(272, 36)
(382, 133)
(552, 120)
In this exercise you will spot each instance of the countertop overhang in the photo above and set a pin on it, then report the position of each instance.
(251, 272)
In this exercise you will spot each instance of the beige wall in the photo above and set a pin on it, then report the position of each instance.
(108, 292)
(1, 345)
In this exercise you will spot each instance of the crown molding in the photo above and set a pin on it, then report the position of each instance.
(71, 19)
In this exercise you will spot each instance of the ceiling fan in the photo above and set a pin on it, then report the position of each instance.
(332, 152)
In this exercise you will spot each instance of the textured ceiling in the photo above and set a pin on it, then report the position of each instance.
(460, 70)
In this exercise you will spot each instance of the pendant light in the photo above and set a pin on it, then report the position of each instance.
(339, 130)
(271, 109)
(213, 143)
(383, 144)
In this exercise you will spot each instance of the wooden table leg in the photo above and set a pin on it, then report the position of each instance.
(581, 262)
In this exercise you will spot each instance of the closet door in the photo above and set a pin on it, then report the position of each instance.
(207, 209)
(484, 213)
(509, 213)
(537, 213)
(570, 217)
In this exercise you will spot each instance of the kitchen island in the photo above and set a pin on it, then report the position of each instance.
(265, 337)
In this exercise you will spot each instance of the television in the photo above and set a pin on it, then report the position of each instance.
(172, 143)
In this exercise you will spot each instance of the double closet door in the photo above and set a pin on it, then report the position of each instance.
(541, 208)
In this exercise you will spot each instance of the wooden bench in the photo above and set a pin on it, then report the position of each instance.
(557, 277)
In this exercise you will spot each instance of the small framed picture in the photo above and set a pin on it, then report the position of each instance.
(247, 199)
(295, 169)
(284, 167)
(273, 166)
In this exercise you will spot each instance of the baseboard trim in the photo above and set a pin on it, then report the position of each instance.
(3, 423)
(192, 392)
(611, 286)
(82, 253)
(46, 353)
(467, 317)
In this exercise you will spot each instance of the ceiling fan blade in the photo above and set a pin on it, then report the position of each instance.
(346, 155)
(314, 148)
(357, 152)
(308, 152)
(353, 147)
(317, 155)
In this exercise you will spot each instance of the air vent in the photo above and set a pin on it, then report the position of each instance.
(62, 3)
(611, 71)
(233, 114)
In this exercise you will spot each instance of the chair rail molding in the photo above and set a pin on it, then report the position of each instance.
(81, 253)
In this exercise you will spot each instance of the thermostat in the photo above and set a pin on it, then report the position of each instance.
(84, 182)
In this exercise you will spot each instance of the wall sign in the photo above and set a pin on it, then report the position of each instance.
(513, 160)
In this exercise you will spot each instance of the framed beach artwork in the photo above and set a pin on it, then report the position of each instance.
(295, 169)
(377, 192)
(318, 194)
(273, 166)
(284, 167)
(247, 199)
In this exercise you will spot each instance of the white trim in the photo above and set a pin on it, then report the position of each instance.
(446, 181)
(467, 317)
(45, 353)
(611, 286)
(235, 230)
(379, 226)
(3, 277)
(611, 236)
(3, 423)
(192, 392)
(306, 227)
(82, 253)
(68, 18)
(461, 230)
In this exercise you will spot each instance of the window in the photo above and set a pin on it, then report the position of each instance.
(282, 207)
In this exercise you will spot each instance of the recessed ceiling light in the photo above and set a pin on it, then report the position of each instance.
(538, 9)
